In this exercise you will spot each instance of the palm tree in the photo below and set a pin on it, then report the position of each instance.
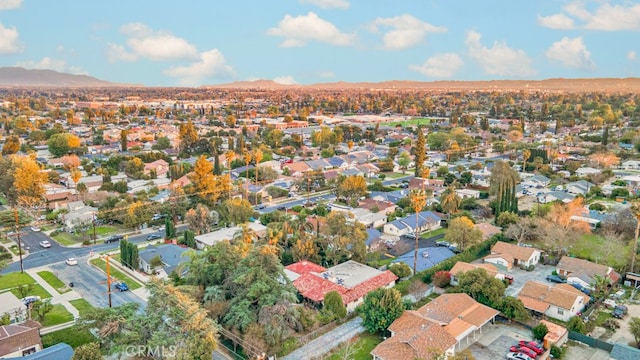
(635, 209)
(418, 200)
(526, 154)
(230, 155)
(449, 200)
(257, 156)
(247, 159)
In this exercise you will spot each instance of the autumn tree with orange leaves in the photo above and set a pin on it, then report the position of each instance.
(604, 159)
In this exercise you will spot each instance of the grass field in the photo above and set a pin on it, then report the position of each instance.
(64, 238)
(432, 233)
(420, 121)
(358, 349)
(11, 282)
(105, 230)
(82, 305)
(53, 280)
(74, 336)
(100, 263)
(57, 315)
(595, 248)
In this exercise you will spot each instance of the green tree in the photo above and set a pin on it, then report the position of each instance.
(40, 309)
(576, 324)
(463, 233)
(420, 153)
(513, 308)
(169, 229)
(333, 303)
(403, 160)
(539, 331)
(507, 218)
(634, 328)
(400, 269)
(189, 239)
(380, 308)
(481, 286)
(62, 144)
(503, 182)
(124, 142)
(199, 219)
(236, 211)
(162, 143)
(90, 351)
(450, 201)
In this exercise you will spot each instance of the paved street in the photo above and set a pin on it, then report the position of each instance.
(328, 341)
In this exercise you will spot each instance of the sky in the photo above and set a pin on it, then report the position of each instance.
(198, 42)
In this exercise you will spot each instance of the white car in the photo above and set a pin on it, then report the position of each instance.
(45, 244)
(517, 356)
(30, 299)
(35, 228)
(71, 261)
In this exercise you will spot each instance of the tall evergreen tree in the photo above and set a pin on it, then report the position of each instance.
(605, 136)
(123, 139)
(503, 183)
(558, 125)
(420, 152)
(216, 161)
(484, 123)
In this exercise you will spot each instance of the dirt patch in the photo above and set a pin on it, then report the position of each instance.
(623, 335)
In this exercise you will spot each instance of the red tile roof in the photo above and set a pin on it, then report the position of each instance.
(304, 267)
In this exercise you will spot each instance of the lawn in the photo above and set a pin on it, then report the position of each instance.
(602, 317)
(105, 230)
(64, 238)
(37, 290)
(115, 273)
(359, 349)
(82, 305)
(13, 280)
(594, 248)
(74, 336)
(58, 315)
(53, 280)
(395, 175)
(432, 233)
(421, 121)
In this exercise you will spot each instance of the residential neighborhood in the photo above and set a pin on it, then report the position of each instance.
(455, 226)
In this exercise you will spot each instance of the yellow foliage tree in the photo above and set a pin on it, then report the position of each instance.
(28, 181)
(206, 185)
(561, 215)
(604, 159)
(73, 141)
(352, 188)
(257, 157)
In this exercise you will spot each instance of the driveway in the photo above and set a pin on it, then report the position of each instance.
(323, 344)
(520, 277)
(91, 284)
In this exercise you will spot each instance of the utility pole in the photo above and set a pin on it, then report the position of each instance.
(17, 218)
(94, 228)
(108, 280)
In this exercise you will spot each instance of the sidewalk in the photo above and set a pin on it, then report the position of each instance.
(56, 297)
(325, 343)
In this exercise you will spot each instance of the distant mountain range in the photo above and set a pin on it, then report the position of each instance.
(560, 84)
(20, 77)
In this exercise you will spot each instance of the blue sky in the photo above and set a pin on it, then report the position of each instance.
(196, 42)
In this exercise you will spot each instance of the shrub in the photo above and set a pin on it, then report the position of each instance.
(539, 331)
(556, 352)
(403, 287)
(442, 278)
(288, 346)
(577, 324)
(400, 269)
(333, 303)
(86, 242)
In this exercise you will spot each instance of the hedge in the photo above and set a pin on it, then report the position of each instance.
(472, 253)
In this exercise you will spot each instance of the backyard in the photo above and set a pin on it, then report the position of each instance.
(74, 336)
(57, 315)
(596, 248)
(359, 348)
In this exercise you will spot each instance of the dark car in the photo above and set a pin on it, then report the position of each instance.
(443, 243)
(113, 238)
(556, 279)
(121, 286)
(153, 236)
(619, 311)
(261, 207)
(454, 249)
(585, 290)
(282, 208)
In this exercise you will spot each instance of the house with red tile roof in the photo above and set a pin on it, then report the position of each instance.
(560, 301)
(160, 167)
(297, 168)
(437, 328)
(352, 280)
(506, 256)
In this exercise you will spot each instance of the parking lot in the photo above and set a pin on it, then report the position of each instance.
(520, 277)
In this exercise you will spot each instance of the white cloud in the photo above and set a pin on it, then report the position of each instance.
(631, 55)
(570, 53)
(405, 31)
(327, 74)
(500, 59)
(9, 41)
(556, 21)
(10, 4)
(285, 80)
(299, 30)
(144, 42)
(47, 63)
(210, 65)
(327, 4)
(439, 66)
(606, 17)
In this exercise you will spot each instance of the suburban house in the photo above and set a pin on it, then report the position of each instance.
(559, 301)
(171, 256)
(584, 272)
(585, 171)
(468, 193)
(10, 304)
(580, 187)
(427, 221)
(535, 181)
(462, 266)
(79, 215)
(487, 230)
(227, 233)
(384, 207)
(160, 167)
(428, 257)
(630, 165)
(18, 340)
(352, 280)
(552, 196)
(369, 219)
(439, 327)
(506, 256)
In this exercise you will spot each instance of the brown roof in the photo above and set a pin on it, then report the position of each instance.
(462, 266)
(560, 295)
(487, 230)
(575, 265)
(19, 336)
(299, 166)
(556, 332)
(421, 342)
(517, 252)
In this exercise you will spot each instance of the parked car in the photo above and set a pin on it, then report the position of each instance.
(517, 356)
(71, 261)
(619, 311)
(618, 294)
(585, 290)
(509, 279)
(35, 228)
(121, 286)
(609, 303)
(153, 236)
(525, 350)
(261, 207)
(282, 208)
(113, 238)
(443, 243)
(30, 299)
(556, 279)
(45, 244)
(537, 348)
(454, 249)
